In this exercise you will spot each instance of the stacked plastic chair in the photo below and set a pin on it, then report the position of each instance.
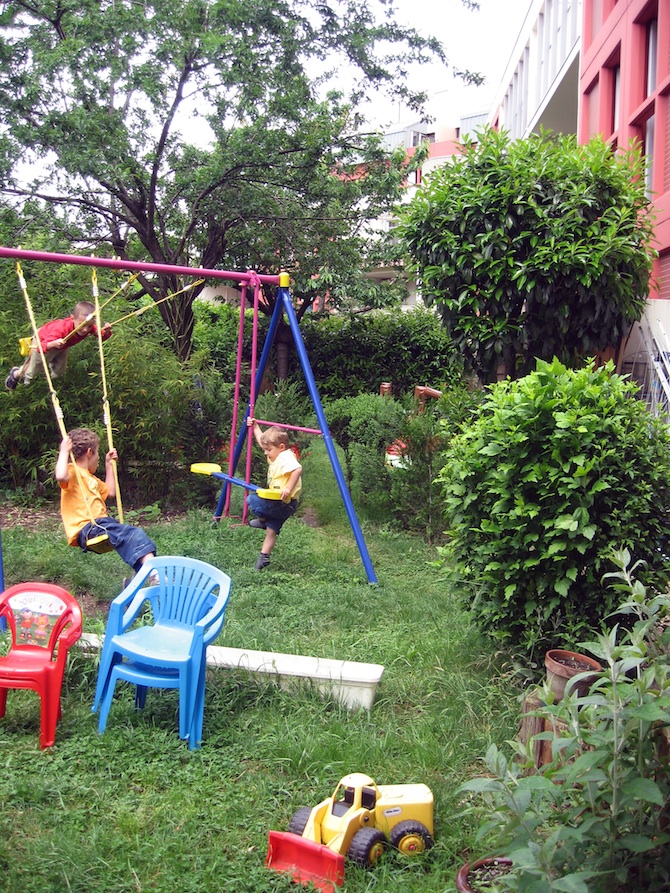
(168, 648)
(44, 622)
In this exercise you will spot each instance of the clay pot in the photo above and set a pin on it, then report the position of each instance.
(563, 665)
(498, 865)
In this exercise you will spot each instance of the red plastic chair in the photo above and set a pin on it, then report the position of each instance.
(44, 621)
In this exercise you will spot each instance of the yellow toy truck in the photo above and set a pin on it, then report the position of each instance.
(359, 820)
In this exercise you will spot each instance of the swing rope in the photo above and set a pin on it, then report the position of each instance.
(106, 413)
(101, 543)
(142, 310)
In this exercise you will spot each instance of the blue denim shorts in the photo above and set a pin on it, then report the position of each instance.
(273, 511)
(131, 543)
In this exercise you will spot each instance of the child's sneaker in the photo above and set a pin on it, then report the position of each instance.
(258, 523)
(12, 379)
(153, 579)
(263, 561)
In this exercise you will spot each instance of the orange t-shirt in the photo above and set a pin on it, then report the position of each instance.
(78, 508)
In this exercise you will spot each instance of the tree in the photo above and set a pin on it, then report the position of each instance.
(104, 100)
(532, 249)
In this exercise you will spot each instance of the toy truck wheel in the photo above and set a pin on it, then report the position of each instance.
(367, 846)
(299, 820)
(410, 837)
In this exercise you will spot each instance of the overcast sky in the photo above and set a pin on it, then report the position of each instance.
(479, 40)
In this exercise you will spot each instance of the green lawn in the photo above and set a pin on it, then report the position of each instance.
(135, 810)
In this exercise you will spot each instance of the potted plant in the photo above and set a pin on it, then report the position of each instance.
(483, 875)
(563, 666)
(594, 818)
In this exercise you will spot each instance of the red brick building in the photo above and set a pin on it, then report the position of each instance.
(625, 96)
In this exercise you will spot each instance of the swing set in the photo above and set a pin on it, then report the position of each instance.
(97, 542)
(283, 308)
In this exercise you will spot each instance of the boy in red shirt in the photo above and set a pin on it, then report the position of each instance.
(56, 337)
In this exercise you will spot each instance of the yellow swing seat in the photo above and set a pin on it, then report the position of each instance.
(99, 544)
(24, 346)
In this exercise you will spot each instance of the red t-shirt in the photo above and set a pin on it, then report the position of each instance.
(61, 328)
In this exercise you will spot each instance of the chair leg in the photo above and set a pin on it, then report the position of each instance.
(106, 696)
(50, 712)
(3, 701)
(140, 696)
(107, 664)
(186, 703)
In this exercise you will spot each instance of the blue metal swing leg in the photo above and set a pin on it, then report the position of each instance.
(284, 305)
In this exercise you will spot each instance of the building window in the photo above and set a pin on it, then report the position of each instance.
(652, 53)
(616, 97)
(648, 149)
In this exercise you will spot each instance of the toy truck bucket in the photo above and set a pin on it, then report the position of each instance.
(307, 862)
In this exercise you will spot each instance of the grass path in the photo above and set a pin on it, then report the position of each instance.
(134, 810)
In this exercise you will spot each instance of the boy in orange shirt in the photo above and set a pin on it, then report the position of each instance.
(84, 513)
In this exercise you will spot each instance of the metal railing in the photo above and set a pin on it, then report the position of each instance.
(649, 366)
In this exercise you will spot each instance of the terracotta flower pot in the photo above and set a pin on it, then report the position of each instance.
(493, 867)
(563, 665)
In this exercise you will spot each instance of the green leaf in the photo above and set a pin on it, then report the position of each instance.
(644, 789)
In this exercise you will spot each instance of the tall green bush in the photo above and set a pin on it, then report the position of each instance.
(557, 470)
(416, 494)
(363, 427)
(529, 248)
(353, 355)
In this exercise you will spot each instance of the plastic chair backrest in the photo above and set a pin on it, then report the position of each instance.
(40, 615)
(186, 590)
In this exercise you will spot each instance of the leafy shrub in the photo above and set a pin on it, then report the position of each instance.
(215, 334)
(352, 355)
(556, 470)
(534, 247)
(363, 427)
(418, 501)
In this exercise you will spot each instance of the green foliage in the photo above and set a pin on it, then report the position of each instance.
(197, 132)
(533, 248)
(555, 470)
(363, 427)
(593, 819)
(215, 334)
(416, 494)
(351, 355)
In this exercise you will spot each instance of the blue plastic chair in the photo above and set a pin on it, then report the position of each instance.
(187, 611)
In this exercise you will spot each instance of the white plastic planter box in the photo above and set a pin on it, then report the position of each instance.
(351, 683)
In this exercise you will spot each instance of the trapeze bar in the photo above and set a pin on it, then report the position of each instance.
(290, 427)
(118, 264)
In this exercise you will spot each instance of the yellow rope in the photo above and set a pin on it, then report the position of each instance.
(54, 396)
(151, 306)
(106, 414)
